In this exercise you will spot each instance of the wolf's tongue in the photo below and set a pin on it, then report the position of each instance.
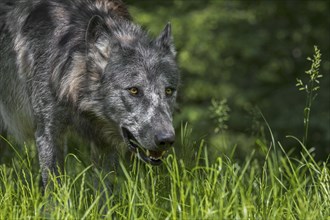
(156, 154)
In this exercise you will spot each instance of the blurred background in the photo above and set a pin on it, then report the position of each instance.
(245, 56)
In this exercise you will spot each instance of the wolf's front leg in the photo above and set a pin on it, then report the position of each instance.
(47, 153)
(48, 139)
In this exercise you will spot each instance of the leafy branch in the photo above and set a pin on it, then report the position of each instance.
(220, 114)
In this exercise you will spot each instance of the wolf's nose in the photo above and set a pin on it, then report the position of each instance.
(164, 140)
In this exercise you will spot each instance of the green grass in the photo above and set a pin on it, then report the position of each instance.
(276, 187)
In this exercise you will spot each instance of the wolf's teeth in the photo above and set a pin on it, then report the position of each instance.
(148, 153)
(153, 158)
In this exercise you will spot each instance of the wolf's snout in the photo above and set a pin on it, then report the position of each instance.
(164, 140)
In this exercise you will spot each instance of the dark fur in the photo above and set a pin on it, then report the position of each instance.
(70, 64)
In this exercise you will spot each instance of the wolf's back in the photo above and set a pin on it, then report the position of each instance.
(42, 43)
(5, 7)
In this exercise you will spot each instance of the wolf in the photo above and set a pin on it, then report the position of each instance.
(84, 65)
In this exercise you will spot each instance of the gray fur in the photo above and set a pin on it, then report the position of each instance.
(71, 64)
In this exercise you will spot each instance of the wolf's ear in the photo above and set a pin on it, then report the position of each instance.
(99, 42)
(94, 29)
(165, 39)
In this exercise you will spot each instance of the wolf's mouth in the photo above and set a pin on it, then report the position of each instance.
(149, 156)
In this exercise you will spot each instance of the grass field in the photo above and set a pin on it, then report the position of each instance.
(275, 187)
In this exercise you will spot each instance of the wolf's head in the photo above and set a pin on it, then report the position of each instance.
(138, 83)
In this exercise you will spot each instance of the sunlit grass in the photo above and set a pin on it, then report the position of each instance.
(277, 187)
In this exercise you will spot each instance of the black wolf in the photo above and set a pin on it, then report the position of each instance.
(84, 65)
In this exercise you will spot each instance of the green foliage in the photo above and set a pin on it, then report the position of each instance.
(220, 114)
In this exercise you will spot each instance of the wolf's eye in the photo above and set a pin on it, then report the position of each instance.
(168, 91)
(133, 91)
